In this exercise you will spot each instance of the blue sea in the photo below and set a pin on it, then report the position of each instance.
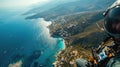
(26, 43)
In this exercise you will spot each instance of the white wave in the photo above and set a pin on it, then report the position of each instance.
(42, 24)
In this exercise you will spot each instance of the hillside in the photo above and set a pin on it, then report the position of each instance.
(80, 33)
(69, 25)
(70, 7)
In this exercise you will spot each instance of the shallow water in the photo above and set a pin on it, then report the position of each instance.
(28, 41)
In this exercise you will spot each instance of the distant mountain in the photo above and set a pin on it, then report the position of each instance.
(38, 8)
(72, 7)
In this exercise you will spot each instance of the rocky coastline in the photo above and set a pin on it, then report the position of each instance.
(80, 33)
(68, 56)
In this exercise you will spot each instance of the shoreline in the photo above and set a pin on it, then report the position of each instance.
(67, 56)
(78, 38)
(60, 56)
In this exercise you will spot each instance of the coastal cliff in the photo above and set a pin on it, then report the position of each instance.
(80, 32)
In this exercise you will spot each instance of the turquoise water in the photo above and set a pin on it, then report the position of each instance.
(27, 41)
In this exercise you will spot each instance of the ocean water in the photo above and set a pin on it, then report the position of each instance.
(26, 43)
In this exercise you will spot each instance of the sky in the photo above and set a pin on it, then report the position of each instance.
(20, 3)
